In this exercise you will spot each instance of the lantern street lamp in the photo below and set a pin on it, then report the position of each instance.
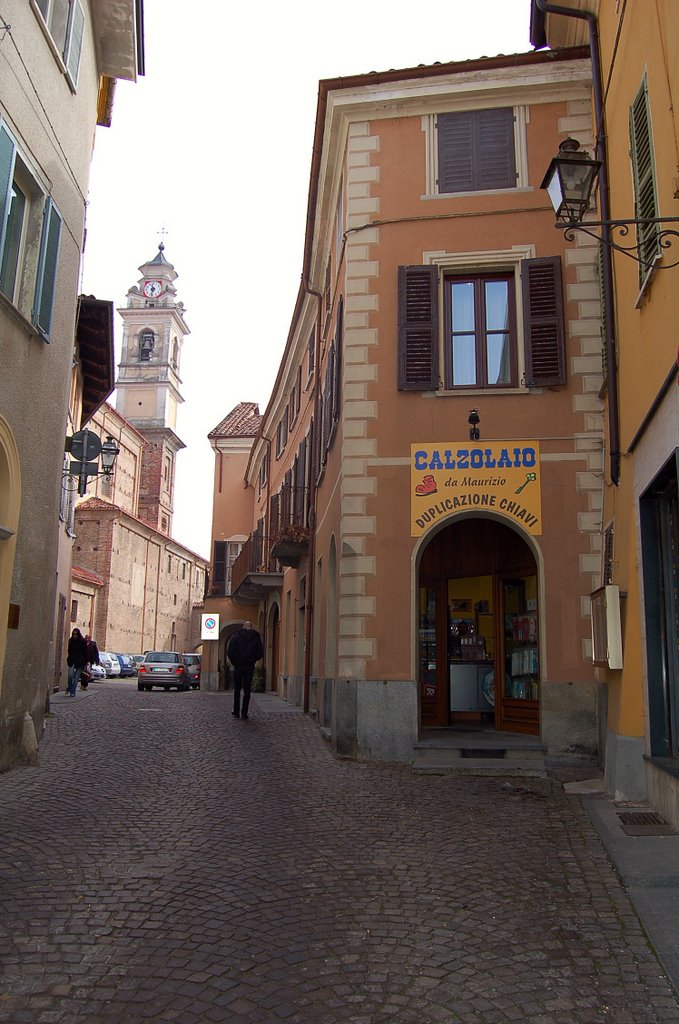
(85, 448)
(569, 181)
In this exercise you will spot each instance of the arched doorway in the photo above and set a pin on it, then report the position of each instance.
(478, 654)
(10, 500)
(274, 644)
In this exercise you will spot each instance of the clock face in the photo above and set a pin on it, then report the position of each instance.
(152, 289)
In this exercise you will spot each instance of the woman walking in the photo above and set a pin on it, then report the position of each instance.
(76, 660)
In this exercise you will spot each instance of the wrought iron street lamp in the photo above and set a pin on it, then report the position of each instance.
(569, 182)
(85, 448)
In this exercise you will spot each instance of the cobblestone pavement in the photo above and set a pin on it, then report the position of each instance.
(167, 862)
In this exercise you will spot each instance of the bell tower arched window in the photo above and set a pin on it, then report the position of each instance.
(175, 355)
(147, 342)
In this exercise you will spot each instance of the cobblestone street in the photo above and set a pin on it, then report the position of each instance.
(167, 862)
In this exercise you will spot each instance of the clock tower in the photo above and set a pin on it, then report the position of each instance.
(147, 388)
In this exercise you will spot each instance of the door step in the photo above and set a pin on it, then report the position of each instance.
(505, 768)
(479, 750)
(480, 754)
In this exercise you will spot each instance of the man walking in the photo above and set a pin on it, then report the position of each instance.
(243, 650)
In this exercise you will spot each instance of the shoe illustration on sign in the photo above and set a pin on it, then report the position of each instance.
(428, 486)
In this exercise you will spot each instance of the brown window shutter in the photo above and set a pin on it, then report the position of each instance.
(339, 343)
(456, 152)
(418, 329)
(274, 515)
(476, 150)
(495, 161)
(543, 322)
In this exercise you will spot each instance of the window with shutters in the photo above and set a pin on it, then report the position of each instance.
(311, 355)
(64, 25)
(479, 345)
(295, 398)
(225, 554)
(263, 474)
(27, 214)
(282, 434)
(643, 176)
(480, 331)
(476, 151)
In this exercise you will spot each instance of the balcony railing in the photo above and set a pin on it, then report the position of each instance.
(250, 570)
(288, 508)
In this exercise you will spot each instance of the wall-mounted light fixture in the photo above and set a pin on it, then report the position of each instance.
(569, 183)
(86, 449)
(473, 421)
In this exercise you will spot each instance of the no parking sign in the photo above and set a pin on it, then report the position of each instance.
(209, 627)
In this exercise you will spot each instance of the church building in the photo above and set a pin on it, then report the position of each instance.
(135, 588)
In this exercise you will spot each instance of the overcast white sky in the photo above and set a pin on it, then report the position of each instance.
(214, 145)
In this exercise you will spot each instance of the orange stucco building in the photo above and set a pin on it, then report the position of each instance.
(425, 484)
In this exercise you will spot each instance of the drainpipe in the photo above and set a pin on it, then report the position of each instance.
(311, 506)
(606, 251)
(268, 548)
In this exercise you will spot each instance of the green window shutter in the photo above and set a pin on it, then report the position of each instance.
(545, 348)
(7, 156)
(418, 329)
(643, 174)
(47, 269)
(75, 41)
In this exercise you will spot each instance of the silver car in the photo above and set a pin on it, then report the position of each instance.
(162, 668)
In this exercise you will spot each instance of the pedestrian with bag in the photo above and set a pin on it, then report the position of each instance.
(244, 649)
(76, 659)
(92, 659)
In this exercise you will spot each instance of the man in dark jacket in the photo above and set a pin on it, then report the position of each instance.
(243, 650)
(92, 651)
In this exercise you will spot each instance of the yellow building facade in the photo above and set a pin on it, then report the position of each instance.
(639, 127)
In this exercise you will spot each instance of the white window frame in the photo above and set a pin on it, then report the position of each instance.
(478, 263)
(39, 243)
(521, 119)
(68, 58)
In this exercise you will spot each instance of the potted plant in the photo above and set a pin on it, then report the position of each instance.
(290, 544)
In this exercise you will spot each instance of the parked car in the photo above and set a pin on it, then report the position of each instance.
(163, 668)
(110, 663)
(97, 671)
(127, 666)
(137, 659)
(193, 667)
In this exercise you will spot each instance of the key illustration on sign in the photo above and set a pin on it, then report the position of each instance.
(529, 479)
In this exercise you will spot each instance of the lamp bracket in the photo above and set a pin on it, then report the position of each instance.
(664, 236)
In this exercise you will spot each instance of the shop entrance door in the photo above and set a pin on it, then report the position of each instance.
(478, 652)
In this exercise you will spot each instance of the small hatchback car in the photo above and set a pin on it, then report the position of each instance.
(163, 668)
(193, 664)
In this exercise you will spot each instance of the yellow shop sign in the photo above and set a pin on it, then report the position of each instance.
(501, 477)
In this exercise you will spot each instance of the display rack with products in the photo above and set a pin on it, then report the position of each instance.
(521, 641)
